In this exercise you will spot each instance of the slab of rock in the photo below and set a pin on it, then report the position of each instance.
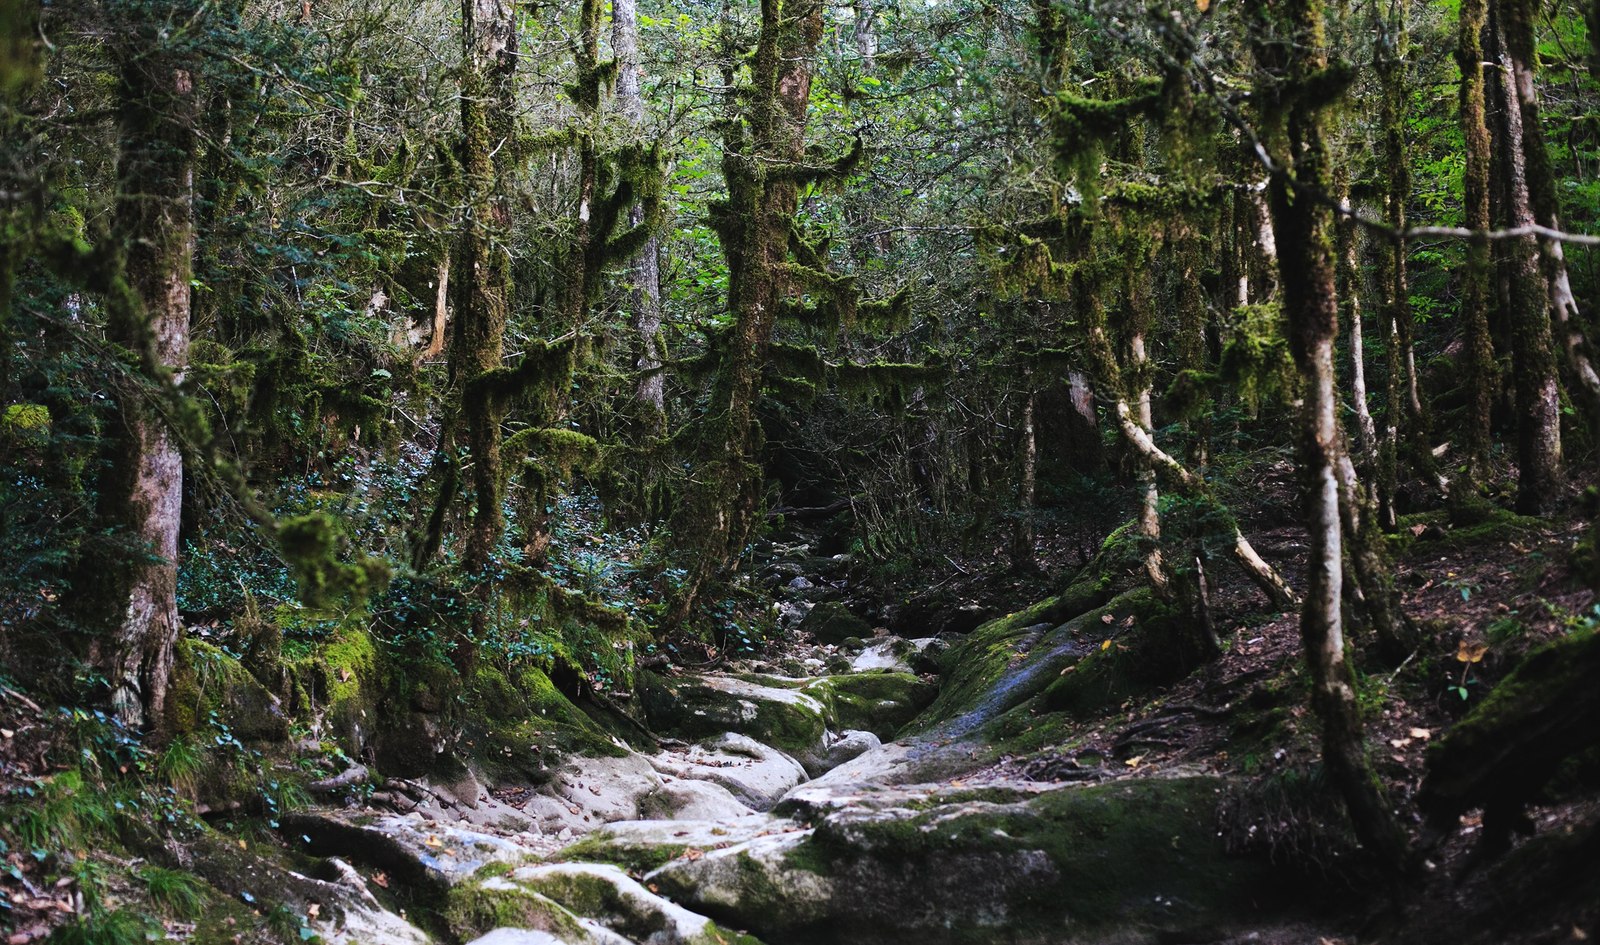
(589, 904)
(878, 702)
(832, 622)
(893, 654)
(770, 710)
(756, 775)
(1139, 858)
(838, 749)
(416, 851)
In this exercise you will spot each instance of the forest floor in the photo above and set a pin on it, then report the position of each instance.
(1483, 595)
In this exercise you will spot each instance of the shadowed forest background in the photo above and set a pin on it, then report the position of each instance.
(799, 471)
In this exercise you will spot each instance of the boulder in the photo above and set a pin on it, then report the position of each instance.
(878, 702)
(211, 687)
(415, 851)
(770, 710)
(1141, 857)
(621, 904)
(756, 775)
(890, 654)
(846, 746)
(832, 622)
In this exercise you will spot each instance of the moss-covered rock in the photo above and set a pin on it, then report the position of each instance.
(1138, 649)
(878, 702)
(832, 622)
(1143, 857)
(1010, 660)
(622, 904)
(495, 902)
(695, 707)
(210, 686)
(1502, 755)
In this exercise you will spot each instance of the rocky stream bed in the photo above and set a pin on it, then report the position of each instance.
(863, 801)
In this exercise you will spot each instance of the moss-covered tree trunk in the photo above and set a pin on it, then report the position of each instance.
(763, 150)
(482, 272)
(1475, 296)
(1533, 363)
(1411, 413)
(154, 223)
(644, 274)
(1583, 379)
(1290, 43)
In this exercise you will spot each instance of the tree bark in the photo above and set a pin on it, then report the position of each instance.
(483, 273)
(1475, 297)
(644, 287)
(1537, 393)
(1307, 269)
(1541, 184)
(1180, 478)
(760, 164)
(154, 219)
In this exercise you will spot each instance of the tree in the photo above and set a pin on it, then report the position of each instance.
(154, 226)
(1296, 84)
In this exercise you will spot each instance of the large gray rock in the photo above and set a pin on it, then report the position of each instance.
(832, 622)
(839, 749)
(770, 710)
(415, 851)
(575, 904)
(756, 775)
(1138, 860)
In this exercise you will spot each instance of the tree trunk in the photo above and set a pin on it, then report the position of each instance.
(1028, 463)
(1541, 184)
(441, 309)
(1349, 275)
(1532, 358)
(1475, 299)
(1411, 421)
(753, 227)
(483, 273)
(154, 220)
(1109, 382)
(1305, 228)
(644, 287)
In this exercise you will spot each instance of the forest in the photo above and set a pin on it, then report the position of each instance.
(724, 472)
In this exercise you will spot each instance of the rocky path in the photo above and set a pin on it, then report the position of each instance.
(788, 809)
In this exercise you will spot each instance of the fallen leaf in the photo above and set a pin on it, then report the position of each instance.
(1106, 618)
(1135, 761)
(1417, 530)
(381, 878)
(1105, 646)
(1399, 742)
(1421, 733)
(691, 854)
(1469, 652)
(433, 841)
(313, 910)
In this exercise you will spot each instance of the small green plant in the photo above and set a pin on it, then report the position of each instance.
(173, 891)
(118, 927)
(1466, 587)
(1505, 629)
(181, 764)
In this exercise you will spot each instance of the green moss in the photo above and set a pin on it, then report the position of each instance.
(636, 858)
(878, 702)
(209, 684)
(832, 622)
(483, 905)
(1459, 529)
